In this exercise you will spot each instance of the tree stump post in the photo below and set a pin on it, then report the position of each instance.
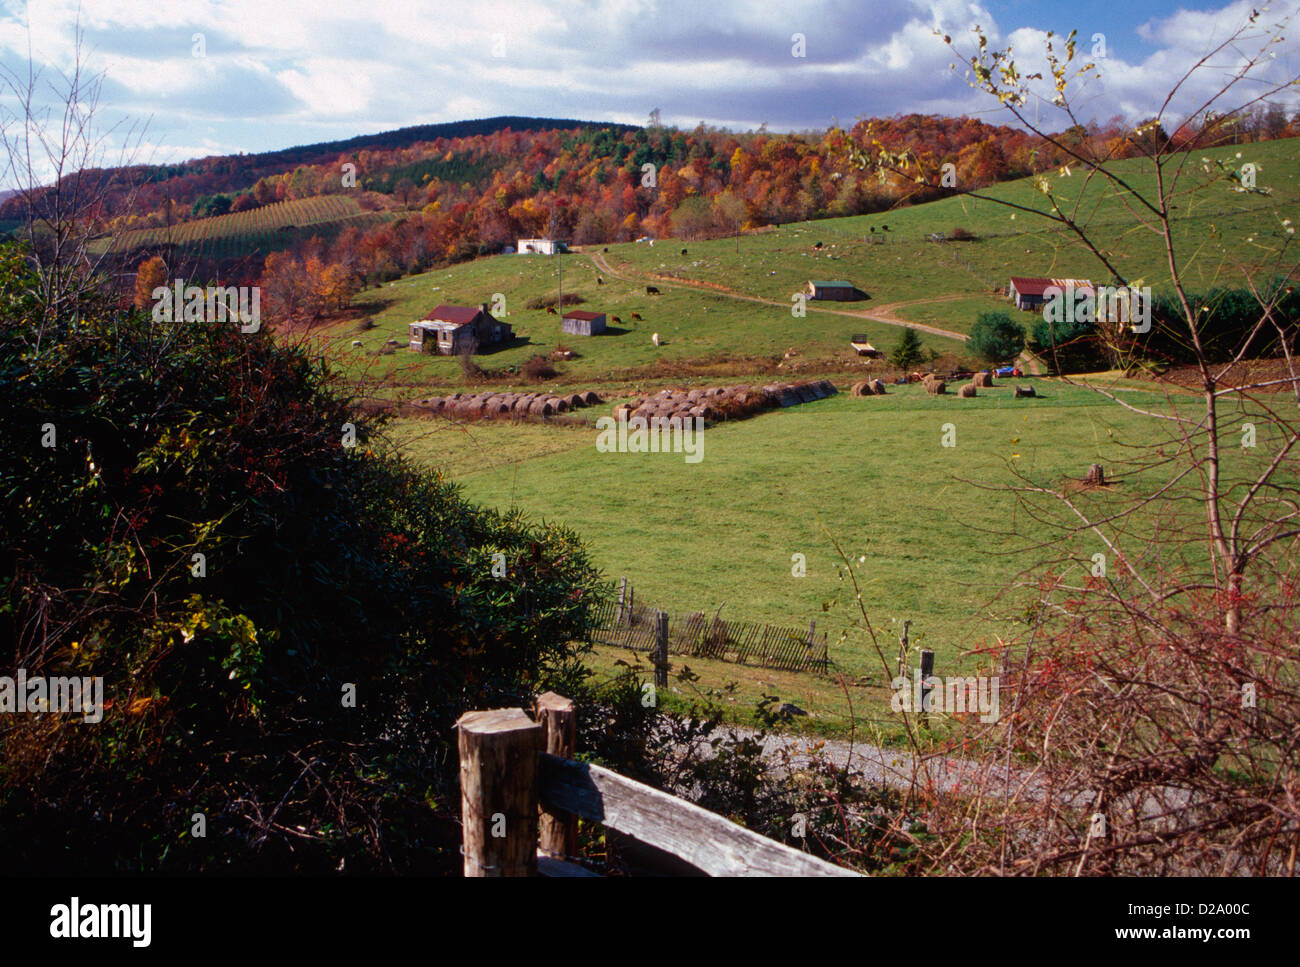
(558, 830)
(622, 601)
(661, 649)
(498, 791)
(1096, 475)
(927, 669)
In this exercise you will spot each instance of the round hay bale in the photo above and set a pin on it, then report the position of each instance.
(558, 404)
(573, 400)
(984, 379)
(828, 388)
(521, 405)
(878, 387)
(936, 387)
(622, 411)
(860, 388)
(541, 407)
(967, 391)
(590, 398)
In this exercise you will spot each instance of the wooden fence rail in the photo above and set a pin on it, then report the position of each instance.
(508, 782)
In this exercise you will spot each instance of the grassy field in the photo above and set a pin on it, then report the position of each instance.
(927, 541)
(259, 230)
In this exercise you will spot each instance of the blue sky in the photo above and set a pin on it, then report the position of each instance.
(266, 75)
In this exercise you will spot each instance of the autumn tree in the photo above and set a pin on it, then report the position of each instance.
(151, 274)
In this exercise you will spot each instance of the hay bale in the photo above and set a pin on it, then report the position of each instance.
(936, 387)
(573, 400)
(828, 388)
(967, 391)
(805, 393)
(983, 379)
(622, 411)
(878, 387)
(1023, 391)
(590, 398)
(861, 388)
(541, 407)
(521, 405)
(558, 404)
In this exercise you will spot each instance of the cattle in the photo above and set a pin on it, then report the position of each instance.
(651, 290)
(606, 249)
(655, 339)
(818, 245)
(616, 319)
(599, 280)
(551, 310)
(683, 251)
(636, 316)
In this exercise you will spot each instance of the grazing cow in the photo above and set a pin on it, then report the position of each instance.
(605, 249)
(651, 290)
(655, 339)
(636, 316)
(616, 319)
(551, 310)
(818, 245)
(599, 280)
(683, 251)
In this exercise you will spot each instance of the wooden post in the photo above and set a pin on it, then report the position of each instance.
(661, 649)
(927, 669)
(499, 752)
(558, 833)
(622, 599)
(808, 648)
(902, 649)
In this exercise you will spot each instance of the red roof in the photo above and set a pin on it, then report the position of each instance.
(456, 315)
(583, 314)
(1026, 286)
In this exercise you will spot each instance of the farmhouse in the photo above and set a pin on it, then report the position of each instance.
(833, 291)
(539, 246)
(1028, 294)
(578, 322)
(449, 330)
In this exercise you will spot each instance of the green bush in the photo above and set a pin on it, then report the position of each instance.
(996, 338)
(327, 570)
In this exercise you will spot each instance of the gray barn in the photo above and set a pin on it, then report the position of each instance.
(578, 322)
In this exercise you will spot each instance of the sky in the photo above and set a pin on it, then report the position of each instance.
(193, 78)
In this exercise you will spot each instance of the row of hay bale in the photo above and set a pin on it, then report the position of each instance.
(869, 387)
(716, 402)
(506, 405)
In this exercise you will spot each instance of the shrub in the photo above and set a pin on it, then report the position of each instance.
(327, 571)
(539, 368)
(995, 338)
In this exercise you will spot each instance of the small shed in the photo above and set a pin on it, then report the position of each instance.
(539, 246)
(833, 291)
(579, 322)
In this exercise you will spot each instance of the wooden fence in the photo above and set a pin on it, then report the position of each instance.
(522, 795)
(624, 623)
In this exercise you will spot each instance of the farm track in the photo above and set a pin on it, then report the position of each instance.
(883, 314)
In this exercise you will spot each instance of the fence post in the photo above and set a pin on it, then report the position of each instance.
(660, 658)
(622, 599)
(558, 830)
(808, 648)
(498, 792)
(927, 669)
(902, 649)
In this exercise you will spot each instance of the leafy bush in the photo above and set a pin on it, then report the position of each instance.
(996, 338)
(539, 368)
(327, 571)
